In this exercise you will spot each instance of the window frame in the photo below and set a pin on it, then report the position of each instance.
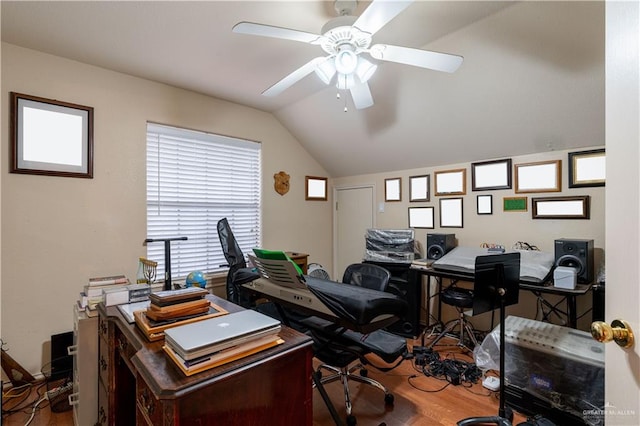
(233, 190)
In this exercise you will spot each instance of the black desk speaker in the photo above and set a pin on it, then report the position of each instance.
(439, 244)
(407, 285)
(577, 254)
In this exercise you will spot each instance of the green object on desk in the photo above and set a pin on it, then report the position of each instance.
(276, 255)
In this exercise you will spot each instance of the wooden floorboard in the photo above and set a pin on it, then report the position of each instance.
(419, 400)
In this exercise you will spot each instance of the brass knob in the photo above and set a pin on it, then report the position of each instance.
(619, 331)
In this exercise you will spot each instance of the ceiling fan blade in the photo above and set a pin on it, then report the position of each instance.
(294, 77)
(263, 30)
(361, 95)
(378, 14)
(416, 57)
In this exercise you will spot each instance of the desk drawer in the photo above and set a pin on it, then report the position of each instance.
(103, 328)
(124, 348)
(147, 405)
(103, 405)
(104, 362)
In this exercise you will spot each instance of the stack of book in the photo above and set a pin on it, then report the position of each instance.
(172, 308)
(422, 263)
(209, 343)
(111, 290)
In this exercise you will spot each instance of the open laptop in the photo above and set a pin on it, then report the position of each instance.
(212, 335)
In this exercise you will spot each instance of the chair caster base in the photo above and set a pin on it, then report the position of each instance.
(388, 399)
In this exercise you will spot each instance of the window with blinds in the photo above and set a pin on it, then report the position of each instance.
(194, 179)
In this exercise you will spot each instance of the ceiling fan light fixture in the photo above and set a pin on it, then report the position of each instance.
(325, 71)
(346, 60)
(365, 69)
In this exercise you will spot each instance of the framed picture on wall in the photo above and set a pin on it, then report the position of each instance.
(419, 188)
(50, 137)
(542, 176)
(451, 182)
(587, 168)
(393, 189)
(490, 175)
(484, 204)
(451, 212)
(421, 217)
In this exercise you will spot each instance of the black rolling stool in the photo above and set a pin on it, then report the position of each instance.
(461, 299)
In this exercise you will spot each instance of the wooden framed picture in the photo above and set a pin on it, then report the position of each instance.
(542, 176)
(50, 137)
(419, 188)
(490, 175)
(587, 168)
(451, 182)
(315, 188)
(393, 189)
(577, 207)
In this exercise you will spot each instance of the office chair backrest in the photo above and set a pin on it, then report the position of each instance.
(230, 247)
(367, 275)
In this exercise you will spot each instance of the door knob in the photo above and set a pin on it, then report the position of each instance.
(619, 331)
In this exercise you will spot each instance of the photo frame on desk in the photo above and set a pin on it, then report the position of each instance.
(50, 137)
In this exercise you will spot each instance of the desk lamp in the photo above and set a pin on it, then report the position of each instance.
(167, 257)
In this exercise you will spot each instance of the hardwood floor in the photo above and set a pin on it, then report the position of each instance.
(419, 400)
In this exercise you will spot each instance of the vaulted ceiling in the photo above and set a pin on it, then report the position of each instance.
(532, 79)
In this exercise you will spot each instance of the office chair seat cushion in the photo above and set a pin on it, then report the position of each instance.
(357, 305)
(389, 347)
(460, 297)
(244, 275)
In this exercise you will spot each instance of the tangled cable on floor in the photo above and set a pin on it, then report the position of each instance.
(453, 370)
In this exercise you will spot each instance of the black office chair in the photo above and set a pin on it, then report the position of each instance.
(461, 299)
(338, 348)
(238, 273)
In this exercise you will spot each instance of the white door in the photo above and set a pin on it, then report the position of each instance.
(622, 256)
(353, 214)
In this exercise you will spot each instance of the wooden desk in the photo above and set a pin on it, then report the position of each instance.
(301, 259)
(569, 316)
(139, 384)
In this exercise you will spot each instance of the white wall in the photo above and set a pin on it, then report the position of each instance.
(505, 228)
(57, 232)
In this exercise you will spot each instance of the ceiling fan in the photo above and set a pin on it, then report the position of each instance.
(347, 41)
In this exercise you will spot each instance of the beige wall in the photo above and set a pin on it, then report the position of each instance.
(57, 232)
(505, 228)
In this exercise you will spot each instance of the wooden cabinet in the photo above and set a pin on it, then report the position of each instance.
(301, 259)
(141, 385)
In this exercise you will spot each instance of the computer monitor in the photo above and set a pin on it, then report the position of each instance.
(496, 281)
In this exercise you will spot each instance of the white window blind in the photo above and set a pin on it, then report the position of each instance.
(194, 179)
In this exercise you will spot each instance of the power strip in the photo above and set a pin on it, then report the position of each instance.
(53, 393)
